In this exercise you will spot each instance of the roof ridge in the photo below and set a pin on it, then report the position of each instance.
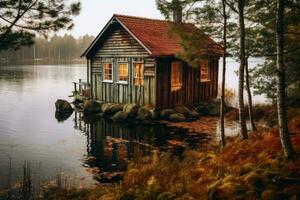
(138, 17)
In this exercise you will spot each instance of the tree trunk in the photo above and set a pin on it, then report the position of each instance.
(222, 121)
(250, 108)
(281, 107)
(243, 127)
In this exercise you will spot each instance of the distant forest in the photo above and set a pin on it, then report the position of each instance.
(56, 50)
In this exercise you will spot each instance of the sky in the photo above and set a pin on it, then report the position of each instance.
(96, 13)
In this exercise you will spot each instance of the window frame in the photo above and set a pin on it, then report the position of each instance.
(178, 85)
(208, 72)
(142, 78)
(120, 81)
(112, 72)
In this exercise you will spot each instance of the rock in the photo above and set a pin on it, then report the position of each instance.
(62, 116)
(63, 106)
(177, 117)
(106, 108)
(131, 109)
(165, 113)
(254, 179)
(144, 114)
(203, 110)
(182, 110)
(92, 107)
(193, 114)
(214, 108)
(116, 108)
(120, 116)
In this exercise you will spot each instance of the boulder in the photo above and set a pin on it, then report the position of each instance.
(120, 116)
(182, 110)
(63, 106)
(116, 108)
(131, 109)
(203, 110)
(177, 117)
(214, 108)
(165, 113)
(91, 107)
(144, 114)
(106, 108)
(193, 114)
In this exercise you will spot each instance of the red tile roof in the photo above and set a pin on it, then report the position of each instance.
(156, 35)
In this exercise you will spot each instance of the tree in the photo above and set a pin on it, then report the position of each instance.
(263, 77)
(22, 19)
(240, 4)
(222, 115)
(281, 105)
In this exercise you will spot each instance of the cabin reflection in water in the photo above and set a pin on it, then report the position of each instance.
(111, 145)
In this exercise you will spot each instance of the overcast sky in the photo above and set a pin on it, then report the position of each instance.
(95, 13)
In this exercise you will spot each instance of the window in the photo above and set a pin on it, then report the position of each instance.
(108, 72)
(123, 72)
(176, 76)
(138, 74)
(204, 72)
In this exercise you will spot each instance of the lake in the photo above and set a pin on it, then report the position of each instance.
(91, 150)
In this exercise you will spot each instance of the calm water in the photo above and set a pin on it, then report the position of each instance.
(93, 150)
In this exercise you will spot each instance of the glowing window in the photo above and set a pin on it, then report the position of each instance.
(138, 74)
(108, 71)
(123, 72)
(176, 76)
(204, 71)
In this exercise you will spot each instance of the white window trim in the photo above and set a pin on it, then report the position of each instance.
(112, 72)
(123, 82)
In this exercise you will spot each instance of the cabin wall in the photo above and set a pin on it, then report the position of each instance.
(193, 90)
(120, 46)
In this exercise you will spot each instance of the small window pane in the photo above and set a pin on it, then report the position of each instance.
(123, 72)
(176, 76)
(138, 74)
(108, 71)
(204, 71)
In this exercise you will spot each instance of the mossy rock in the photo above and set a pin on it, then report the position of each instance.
(165, 113)
(182, 110)
(120, 116)
(106, 108)
(92, 107)
(116, 108)
(144, 114)
(254, 179)
(63, 106)
(131, 109)
(177, 117)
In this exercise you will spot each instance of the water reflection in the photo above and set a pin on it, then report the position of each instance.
(111, 145)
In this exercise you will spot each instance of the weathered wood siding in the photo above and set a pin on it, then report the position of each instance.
(120, 46)
(192, 91)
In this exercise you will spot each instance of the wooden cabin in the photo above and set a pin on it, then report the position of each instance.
(133, 60)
